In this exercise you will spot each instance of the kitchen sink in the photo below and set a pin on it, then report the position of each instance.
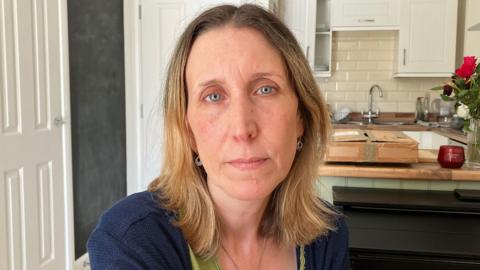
(391, 123)
(386, 123)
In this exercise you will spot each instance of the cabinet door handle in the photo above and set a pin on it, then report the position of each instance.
(307, 52)
(366, 20)
(404, 57)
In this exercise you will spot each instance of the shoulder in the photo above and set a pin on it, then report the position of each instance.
(132, 212)
(330, 251)
(137, 231)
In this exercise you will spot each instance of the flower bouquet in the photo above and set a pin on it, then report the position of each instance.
(464, 89)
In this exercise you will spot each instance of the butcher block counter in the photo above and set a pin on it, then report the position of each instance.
(426, 169)
(423, 171)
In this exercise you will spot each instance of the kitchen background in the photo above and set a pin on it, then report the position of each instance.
(100, 90)
(363, 58)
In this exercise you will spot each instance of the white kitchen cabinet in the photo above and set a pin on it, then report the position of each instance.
(354, 15)
(310, 23)
(427, 38)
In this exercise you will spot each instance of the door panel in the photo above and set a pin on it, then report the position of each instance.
(33, 175)
(427, 43)
(161, 24)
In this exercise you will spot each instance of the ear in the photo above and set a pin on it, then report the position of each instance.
(190, 137)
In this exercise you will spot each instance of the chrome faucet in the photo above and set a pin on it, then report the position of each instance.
(370, 114)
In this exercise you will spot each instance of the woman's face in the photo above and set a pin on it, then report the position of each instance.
(242, 112)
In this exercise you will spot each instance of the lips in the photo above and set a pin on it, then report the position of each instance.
(247, 163)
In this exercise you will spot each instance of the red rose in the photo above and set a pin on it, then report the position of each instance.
(468, 67)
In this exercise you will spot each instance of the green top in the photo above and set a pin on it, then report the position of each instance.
(212, 264)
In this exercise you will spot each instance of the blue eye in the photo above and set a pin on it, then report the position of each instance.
(213, 97)
(265, 90)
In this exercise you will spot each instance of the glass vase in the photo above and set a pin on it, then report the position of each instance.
(473, 145)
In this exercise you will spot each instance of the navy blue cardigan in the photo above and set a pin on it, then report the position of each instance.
(136, 233)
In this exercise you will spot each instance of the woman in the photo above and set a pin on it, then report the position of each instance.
(245, 131)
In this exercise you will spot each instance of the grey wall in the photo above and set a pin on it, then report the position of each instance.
(98, 110)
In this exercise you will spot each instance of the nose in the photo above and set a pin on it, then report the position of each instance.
(242, 120)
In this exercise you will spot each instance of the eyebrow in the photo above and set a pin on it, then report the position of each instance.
(255, 77)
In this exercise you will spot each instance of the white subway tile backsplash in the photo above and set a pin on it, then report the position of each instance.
(379, 75)
(380, 56)
(398, 96)
(361, 106)
(385, 85)
(340, 76)
(357, 55)
(345, 86)
(327, 86)
(409, 84)
(355, 96)
(384, 65)
(331, 96)
(366, 66)
(406, 107)
(368, 44)
(384, 106)
(363, 58)
(357, 75)
(339, 56)
(343, 45)
(386, 44)
(351, 105)
(345, 66)
(390, 85)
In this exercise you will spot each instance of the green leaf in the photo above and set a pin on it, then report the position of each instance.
(446, 98)
(460, 83)
(437, 88)
(462, 93)
(477, 70)
(455, 87)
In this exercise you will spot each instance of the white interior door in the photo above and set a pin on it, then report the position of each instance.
(35, 175)
(161, 23)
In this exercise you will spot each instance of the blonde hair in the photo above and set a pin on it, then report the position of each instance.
(295, 214)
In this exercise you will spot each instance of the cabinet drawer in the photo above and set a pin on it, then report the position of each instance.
(365, 13)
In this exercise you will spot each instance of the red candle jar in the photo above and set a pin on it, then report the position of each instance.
(451, 156)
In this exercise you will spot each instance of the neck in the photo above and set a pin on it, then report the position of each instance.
(240, 219)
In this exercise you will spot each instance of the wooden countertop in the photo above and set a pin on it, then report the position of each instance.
(426, 169)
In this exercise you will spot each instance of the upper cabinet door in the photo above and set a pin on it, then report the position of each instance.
(299, 16)
(427, 38)
(365, 14)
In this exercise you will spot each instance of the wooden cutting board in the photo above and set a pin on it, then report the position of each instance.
(372, 146)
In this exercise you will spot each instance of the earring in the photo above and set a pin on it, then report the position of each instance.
(299, 144)
(198, 162)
